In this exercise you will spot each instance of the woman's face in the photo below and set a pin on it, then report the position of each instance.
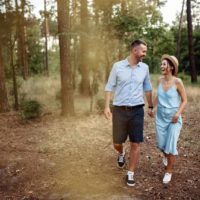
(165, 67)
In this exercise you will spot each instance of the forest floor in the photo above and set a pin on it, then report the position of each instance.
(54, 158)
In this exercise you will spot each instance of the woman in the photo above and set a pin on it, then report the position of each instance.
(171, 100)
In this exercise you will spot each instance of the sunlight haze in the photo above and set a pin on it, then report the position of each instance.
(169, 11)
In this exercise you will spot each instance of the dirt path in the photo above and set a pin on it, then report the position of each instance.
(71, 159)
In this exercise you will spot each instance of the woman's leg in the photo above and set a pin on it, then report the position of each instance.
(170, 162)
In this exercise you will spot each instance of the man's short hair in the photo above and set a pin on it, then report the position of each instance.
(138, 42)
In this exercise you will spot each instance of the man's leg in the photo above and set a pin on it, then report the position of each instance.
(119, 134)
(118, 148)
(135, 129)
(121, 155)
(134, 156)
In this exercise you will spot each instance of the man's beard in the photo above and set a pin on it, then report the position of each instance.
(141, 58)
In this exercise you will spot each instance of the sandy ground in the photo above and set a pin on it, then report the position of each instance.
(53, 158)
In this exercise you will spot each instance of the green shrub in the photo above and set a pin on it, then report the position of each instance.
(31, 109)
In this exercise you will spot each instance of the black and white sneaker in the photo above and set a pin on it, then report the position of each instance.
(121, 161)
(130, 178)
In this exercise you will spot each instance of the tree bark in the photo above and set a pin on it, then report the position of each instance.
(4, 107)
(21, 33)
(16, 105)
(84, 69)
(179, 32)
(46, 38)
(190, 44)
(67, 99)
(74, 20)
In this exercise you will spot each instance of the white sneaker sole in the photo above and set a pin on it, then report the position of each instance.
(167, 181)
(131, 185)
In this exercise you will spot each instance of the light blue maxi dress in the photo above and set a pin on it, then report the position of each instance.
(167, 133)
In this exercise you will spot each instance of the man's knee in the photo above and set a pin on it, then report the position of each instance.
(135, 146)
(117, 145)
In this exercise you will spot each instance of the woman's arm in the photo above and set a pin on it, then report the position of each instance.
(182, 92)
(155, 100)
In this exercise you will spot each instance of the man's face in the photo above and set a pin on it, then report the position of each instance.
(140, 52)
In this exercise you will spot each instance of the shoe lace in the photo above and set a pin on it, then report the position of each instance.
(121, 158)
(130, 177)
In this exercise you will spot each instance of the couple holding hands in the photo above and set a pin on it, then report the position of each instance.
(129, 79)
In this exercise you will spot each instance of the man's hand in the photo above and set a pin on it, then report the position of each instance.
(107, 113)
(150, 112)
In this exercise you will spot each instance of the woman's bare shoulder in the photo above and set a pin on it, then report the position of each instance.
(178, 81)
(160, 79)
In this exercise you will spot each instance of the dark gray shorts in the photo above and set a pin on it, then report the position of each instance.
(128, 121)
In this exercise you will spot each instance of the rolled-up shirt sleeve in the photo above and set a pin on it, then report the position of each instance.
(147, 84)
(112, 80)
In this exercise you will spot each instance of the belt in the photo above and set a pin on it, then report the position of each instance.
(129, 107)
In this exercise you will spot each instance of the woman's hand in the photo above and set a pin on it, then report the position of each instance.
(150, 112)
(175, 118)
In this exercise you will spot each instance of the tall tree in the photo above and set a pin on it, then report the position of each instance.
(190, 44)
(3, 92)
(21, 33)
(75, 38)
(45, 36)
(178, 42)
(10, 39)
(67, 99)
(3, 97)
(84, 69)
(104, 29)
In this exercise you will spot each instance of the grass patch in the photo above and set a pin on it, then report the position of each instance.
(46, 91)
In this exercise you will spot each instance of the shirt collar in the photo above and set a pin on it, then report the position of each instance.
(128, 64)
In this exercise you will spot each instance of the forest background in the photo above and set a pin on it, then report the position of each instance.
(56, 64)
(69, 50)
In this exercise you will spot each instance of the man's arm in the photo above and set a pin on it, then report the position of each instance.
(108, 91)
(107, 111)
(150, 102)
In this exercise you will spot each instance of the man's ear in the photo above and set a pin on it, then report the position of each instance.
(135, 50)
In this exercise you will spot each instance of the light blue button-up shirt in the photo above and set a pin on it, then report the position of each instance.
(128, 84)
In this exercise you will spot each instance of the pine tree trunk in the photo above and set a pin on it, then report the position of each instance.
(190, 44)
(179, 32)
(21, 33)
(85, 81)
(16, 105)
(4, 107)
(74, 20)
(67, 100)
(46, 31)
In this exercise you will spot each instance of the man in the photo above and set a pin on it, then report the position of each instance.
(129, 79)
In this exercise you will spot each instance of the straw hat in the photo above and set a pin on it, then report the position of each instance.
(174, 60)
